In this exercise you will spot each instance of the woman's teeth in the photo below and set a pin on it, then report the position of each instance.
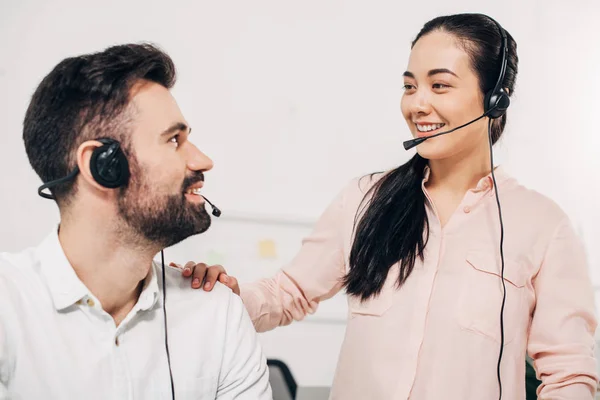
(193, 191)
(427, 128)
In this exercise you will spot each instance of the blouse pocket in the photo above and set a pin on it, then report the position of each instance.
(375, 305)
(480, 299)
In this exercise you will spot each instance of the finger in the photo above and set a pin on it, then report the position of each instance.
(174, 265)
(230, 282)
(199, 273)
(235, 286)
(188, 269)
(211, 276)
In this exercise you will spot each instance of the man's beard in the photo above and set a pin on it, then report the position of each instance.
(162, 219)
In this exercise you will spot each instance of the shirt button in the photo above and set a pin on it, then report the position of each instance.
(116, 341)
(467, 209)
(90, 302)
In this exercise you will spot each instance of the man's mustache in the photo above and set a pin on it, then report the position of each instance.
(196, 177)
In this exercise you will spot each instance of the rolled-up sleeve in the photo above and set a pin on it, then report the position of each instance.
(561, 340)
(315, 273)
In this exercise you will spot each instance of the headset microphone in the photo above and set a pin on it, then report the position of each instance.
(409, 144)
(215, 211)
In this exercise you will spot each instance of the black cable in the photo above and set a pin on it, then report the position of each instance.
(56, 182)
(502, 259)
(162, 257)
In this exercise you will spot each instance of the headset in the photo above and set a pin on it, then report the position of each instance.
(109, 167)
(495, 104)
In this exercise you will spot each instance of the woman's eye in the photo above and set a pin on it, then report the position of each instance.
(174, 139)
(408, 86)
(440, 86)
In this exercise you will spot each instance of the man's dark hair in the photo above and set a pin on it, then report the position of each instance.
(85, 98)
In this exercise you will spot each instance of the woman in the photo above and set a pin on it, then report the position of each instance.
(417, 250)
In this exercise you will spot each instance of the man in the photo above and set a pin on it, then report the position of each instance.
(83, 315)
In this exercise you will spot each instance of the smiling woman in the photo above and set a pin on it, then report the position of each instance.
(417, 249)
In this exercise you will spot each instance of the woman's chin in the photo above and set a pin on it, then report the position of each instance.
(433, 151)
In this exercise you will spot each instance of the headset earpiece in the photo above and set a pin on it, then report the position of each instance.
(108, 164)
(497, 102)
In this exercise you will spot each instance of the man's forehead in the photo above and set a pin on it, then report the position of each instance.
(154, 104)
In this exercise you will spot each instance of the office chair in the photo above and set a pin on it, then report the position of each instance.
(531, 381)
(282, 382)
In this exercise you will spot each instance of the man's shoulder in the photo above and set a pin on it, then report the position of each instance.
(18, 269)
(198, 312)
(20, 282)
(179, 290)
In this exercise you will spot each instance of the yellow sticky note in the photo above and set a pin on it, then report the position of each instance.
(267, 249)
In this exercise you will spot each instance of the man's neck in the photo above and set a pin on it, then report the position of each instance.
(108, 264)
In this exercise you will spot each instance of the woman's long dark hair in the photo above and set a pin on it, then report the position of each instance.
(394, 227)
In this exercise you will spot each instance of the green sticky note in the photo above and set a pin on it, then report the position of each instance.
(214, 257)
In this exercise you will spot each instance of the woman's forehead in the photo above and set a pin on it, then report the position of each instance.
(438, 50)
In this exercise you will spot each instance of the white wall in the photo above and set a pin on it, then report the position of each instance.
(292, 99)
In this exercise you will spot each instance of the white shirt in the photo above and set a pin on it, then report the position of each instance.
(56, 341)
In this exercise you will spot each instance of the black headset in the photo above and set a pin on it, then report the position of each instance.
(497, 101)
(108, 165)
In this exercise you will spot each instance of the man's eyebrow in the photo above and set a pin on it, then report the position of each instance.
(176, 127)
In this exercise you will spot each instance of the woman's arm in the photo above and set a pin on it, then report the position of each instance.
(313, 275)
(561, 339)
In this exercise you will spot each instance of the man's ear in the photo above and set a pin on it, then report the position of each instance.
(84, 156)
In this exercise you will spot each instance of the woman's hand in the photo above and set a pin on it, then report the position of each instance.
(206, 276)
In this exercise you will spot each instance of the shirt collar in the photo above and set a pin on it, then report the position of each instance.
(150, 294)
(65, 286)
(483, 184)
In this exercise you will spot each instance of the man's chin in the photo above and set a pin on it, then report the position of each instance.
(205, 226)
(201, 222)
(184, 233)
